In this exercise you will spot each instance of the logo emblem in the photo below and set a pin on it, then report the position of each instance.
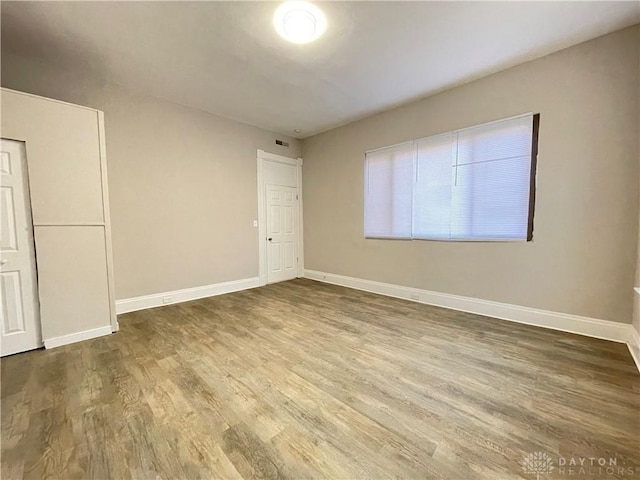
(537, 463)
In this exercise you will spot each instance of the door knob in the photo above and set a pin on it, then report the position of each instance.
(269, 238)
(3, 261)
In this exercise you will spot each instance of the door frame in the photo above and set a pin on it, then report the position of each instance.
(262, 157)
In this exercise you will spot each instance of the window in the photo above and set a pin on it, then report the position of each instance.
(472, 184)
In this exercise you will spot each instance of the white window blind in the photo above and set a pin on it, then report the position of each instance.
(490, 175)
(432, 190)
(388, 191)
(471, 184)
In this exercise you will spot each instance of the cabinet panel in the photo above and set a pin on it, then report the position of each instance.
(63, 154)
(72, 278)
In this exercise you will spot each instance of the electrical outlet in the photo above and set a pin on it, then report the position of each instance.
(166, 300)
(255, 223)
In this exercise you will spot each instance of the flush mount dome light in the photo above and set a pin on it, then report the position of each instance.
(299, 22)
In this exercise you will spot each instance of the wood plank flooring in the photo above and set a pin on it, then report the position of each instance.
(306, 380)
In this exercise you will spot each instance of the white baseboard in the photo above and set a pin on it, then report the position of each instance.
(634, 346)
(167, 298)
(77, 337)
(591, 327)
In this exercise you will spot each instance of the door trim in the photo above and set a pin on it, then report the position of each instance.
(107, 223)
(77, 337)
(262, 157)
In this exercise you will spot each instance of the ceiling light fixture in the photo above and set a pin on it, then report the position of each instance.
(299, 22)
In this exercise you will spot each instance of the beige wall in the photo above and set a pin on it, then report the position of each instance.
(636, 295)
(583, 256)
(182, 182)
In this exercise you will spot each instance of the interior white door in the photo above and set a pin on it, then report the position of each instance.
(20, 318)
(282, 235)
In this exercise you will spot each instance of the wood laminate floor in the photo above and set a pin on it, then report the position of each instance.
(307, 380)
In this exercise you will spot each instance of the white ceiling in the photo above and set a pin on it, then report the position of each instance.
(226, 58)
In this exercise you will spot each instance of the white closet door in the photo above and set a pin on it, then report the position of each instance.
(67, 179)
(18, 285)
(282, 238)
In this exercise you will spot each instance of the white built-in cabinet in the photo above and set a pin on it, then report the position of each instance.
(65, 153)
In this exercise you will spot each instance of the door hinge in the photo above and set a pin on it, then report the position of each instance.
(296, 196)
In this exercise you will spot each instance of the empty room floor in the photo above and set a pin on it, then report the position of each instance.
(307, 380)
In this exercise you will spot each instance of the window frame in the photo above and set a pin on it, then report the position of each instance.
(535, 128)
